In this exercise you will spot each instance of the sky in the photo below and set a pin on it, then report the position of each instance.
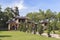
(26, 6)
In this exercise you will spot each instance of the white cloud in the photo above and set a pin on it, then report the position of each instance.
(18, 3)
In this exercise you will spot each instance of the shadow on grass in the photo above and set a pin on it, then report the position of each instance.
(0, 39)
(5, 36)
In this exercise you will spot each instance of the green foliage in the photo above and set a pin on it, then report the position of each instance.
(41, 15)
(8, 12)
(36, 16)
(3, 20)
(58, 16)
(58, 25)
(22, 27)
(49, 30)
(40, 29)
(49, 13)
(53, 24)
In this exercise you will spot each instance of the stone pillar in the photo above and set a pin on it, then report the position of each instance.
(8, 26)
(26, 20)
(17, 21)
(17, 26)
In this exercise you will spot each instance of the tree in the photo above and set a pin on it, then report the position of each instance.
(53, 25)
(40, 29)
(41, 15)
(16, 11)
(48, 14)
(33, 16)
(8, 12)
(3, 20)
(36, 16)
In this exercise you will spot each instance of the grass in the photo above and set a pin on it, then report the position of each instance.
(17, 35)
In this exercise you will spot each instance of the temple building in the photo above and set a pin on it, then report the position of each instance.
(14, 23)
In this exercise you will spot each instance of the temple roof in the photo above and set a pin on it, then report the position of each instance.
(17, 17)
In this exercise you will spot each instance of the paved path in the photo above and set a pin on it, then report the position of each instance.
(52, 35)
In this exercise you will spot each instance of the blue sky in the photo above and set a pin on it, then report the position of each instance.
(26, 6)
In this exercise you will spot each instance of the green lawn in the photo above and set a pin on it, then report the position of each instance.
(17, 35)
